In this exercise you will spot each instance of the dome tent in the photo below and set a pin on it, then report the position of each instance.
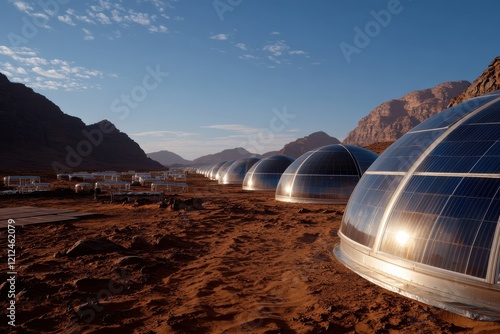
(219, 174)
(326, 175)
(236, 172)
(212, 172)
(424, 219)
(266, 173)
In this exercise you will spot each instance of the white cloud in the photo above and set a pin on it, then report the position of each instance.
(112, 13)
(160, 29)
(102, 18)
(275, 33)
(139, 18)
(277, 48)
(163, 133)
(52, 73)
(84, 18)
(115, 14)
(44, 73)
(66, 19)
(22, 6)
(241, 46)
(248, 57)
(297, 52)
(220, 37)
(233, 127)
(8, 67)
(87, 35)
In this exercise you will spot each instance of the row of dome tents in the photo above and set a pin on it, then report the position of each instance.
(326, 175)
(424, 219)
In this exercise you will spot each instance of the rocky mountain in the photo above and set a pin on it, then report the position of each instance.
(36, 134)
(230, 154)
(487, 82)
(167, 158)
(394, 118)
(302, 145)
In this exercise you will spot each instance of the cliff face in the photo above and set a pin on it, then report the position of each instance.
(302, 145)
(487, 82)
(36, 134)
(394, 118)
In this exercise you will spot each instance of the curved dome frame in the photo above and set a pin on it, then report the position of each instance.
(237, 171)
(326, 175)
(424, 220)
(266, 173)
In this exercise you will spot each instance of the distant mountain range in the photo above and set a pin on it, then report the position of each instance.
(168, 158)
(293, 149)
(36, 134)
(394, 118)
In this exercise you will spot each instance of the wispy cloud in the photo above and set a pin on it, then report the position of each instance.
(275, 33)
(40, 16)
(87, 35)
(22, 6)
(220, 37)
(297, 52)
(241, 46)
(193, 147)
(26, 66)
(233, 127)
(154, 19)
(163, 133)
(66, 19)
(276, 48)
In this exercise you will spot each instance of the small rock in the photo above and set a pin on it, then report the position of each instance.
(93, 246)
(93, 284)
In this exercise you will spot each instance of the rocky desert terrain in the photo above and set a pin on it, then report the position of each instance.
(231, 261)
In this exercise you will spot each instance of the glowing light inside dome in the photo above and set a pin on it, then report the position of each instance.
(402, 238)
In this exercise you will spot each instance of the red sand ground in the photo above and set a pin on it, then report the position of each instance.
(244, 264)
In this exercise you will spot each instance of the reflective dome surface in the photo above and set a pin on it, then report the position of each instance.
(326, 175)
(266, 173)
(236, 172)
(423, 220)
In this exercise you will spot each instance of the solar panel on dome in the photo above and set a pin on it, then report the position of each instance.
(424, 220)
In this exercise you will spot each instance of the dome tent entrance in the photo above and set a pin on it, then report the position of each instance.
(326, 175)
(424, 219)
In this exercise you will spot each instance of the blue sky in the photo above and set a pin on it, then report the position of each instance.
(195, 77)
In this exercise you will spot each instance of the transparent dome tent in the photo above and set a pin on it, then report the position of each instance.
(424, 219)
(212, 172)
(326, 175)
(236, 172)
(223, 169)
(266, 173)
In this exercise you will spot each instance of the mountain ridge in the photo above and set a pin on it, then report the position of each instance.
(37, 134)
(487, 82)
(391, 119)
(293, 149)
